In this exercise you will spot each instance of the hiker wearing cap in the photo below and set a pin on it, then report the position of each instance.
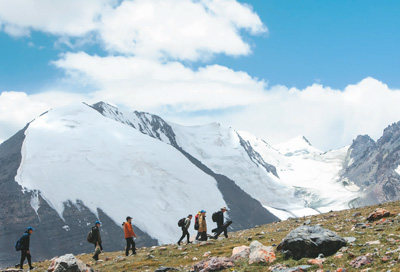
(218, 218)
(24, 246)
(97, 240)
(185, 229)
(203, 226)
(129, 234)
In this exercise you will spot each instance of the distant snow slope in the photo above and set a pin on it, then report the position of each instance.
(74, 153)
(314, 174)
(221, 149)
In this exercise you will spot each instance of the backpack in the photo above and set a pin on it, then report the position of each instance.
(196, 222)
(181, 222)
(215, 217)
(90, 237)
(18, 244)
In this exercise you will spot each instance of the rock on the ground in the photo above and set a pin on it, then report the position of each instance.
(242, 252)
(213, 264)
(164, 269)
(360, 261)
(260, 253)
(378, 214)
(68, 263)
(310, 241)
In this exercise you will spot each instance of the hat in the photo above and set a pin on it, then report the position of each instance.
(97, 222)
(128, 218)
(190, 215)
(202, 211)
(224, 208)
(30, 228)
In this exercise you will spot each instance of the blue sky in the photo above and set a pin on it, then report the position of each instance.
(334, 43)
(265, 66)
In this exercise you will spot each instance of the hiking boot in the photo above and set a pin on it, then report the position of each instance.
(179, 243)
(31, 268)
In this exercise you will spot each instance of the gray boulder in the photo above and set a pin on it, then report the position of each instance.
(310, 241)
(68, 263)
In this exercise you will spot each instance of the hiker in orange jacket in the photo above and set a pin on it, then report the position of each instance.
(129, 234)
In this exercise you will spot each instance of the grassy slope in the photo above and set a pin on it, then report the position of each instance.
(341, 222)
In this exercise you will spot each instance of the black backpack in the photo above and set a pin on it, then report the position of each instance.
(181, 222)
(196, 223)
(90, 237)
(18, 244)
(215, 217)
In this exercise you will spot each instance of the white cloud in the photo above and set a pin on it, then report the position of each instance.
(183, 29)
(328, 118)
(61, 17)
(148, 84)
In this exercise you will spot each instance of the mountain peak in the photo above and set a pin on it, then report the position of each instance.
(296, 146)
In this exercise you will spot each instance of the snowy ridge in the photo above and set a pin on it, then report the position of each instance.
(101, 160)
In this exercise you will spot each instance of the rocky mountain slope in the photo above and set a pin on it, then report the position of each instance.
(74, 165)
(379, 241)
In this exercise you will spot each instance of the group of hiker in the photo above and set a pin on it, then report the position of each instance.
(94, 236)
(200, 224)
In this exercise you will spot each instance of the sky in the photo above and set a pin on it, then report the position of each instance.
(328, 70)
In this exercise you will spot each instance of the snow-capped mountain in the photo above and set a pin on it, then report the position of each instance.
(74, 165)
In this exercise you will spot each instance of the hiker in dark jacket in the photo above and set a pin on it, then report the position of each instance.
(220, 224)
(196, 225)
(25, 253)
(185, 229)
(97, 239)
(129, 234)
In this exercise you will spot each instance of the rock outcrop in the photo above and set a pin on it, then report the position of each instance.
(310, 241)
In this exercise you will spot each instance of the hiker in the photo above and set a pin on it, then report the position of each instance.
(203, 226)
(129, 234)
(185, 229)
(218, 217)
(196, 225)
(97, 240)
(24, 247)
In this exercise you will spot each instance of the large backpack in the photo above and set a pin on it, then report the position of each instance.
(18, 244)
(181, 222)
(215, 217)
(196, 222)
(90, 237)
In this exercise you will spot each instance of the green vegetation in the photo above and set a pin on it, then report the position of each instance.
(342, 222)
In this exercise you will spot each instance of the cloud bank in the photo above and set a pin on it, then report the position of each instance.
(150, 47)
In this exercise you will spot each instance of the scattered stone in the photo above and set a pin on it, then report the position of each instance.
(68, 263)
(360, 261)
(242, 252)
(356, 214)
(386, 258)
(260, 253)
(194, 259)
(350, 239)
(378, 214)
(318, 262)
(163, 269)
(308, 222)
(377, 242)
(277, 267)
(213, 264)
(162, 248)
(309, 241)
(207, 254)
(13, 270)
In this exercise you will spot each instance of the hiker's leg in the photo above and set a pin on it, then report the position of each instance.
(21, 264)
(183, 236)
(127, 247)
(226, 232)
(188, 236)
(133, 246)
(29, 257)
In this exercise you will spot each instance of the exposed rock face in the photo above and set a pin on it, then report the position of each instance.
(372, 166)
(213, 264)
(310, 241)
(242, 252)
(68, 263)
(360, 261)
(260, 253)
(378, 214)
